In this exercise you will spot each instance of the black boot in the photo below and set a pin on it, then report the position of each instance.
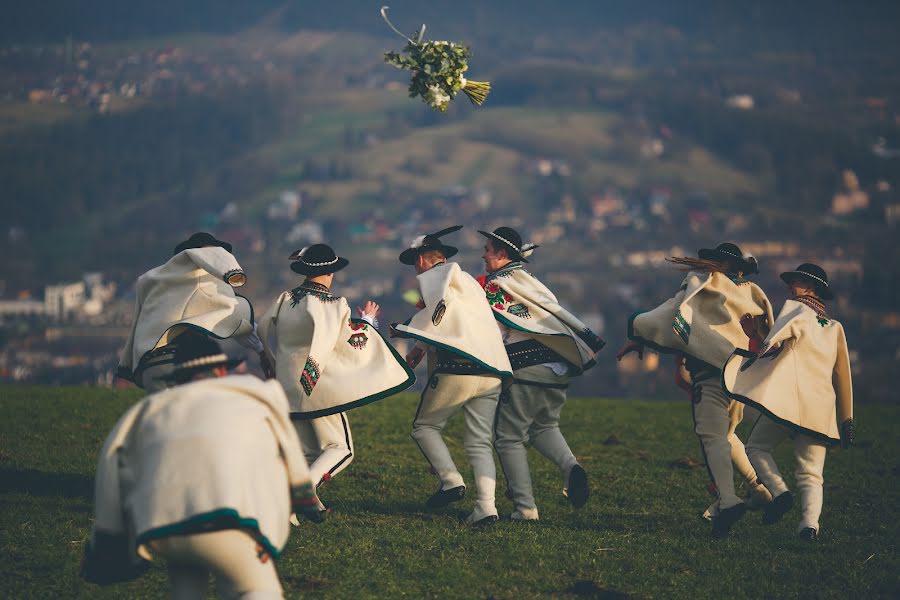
(778, 508)
(442, 498)
(809, 534)
(727, 517)
(578, 491)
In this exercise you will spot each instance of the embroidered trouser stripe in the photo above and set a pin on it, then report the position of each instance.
(327, 443)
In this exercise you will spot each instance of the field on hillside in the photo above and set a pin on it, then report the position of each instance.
(640, 536)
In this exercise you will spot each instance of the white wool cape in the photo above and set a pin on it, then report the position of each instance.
(457, 319)
(807, 385)
(327, 361)
(190, 290)
(703, 319)
(214, 454)
(520, 301)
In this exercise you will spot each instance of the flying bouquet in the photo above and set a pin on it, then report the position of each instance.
(437, 68)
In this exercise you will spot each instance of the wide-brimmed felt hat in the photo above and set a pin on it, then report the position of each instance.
(429, 241)
(813, 274)
(197, 353)
(731, 253)
(200, 240)
(315, 260)
(512, 241)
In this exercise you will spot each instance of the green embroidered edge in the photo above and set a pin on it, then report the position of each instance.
(681, 327)
(584, 367)
(410, 380)
(214, 520)
(656, 347)
(206, 331)
(504, 271)
(813, 434)
(457, 351)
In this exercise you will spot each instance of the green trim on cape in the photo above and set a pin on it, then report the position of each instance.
(656, 347)
(214, 520)
(817, 435)
(324, 412)
(465, 355)
(581, 369)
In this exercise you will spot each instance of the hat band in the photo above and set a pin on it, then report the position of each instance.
(731, 254)
(506, 241)
(202, 361)
(819, 279)
(319, 264)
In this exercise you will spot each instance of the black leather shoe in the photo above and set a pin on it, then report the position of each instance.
(442, 498)
(809, 534)
(489, 520)
(722, 522)
(777, 508)
(578, 491)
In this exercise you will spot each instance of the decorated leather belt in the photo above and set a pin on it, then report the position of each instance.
(452, 364)
(159, 356)
(531, 352)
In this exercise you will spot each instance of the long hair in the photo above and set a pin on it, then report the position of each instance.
(688, 263)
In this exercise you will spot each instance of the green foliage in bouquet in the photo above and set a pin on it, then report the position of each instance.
(438, 68)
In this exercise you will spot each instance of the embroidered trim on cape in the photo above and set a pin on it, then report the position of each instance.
(594, 341)
(506, 271)
(737, 280)
(681, 327)
(497, 297)
(316, 290)
(358, 339)
(438, 314)
(817, 305)
(519, 310)
(310, 375)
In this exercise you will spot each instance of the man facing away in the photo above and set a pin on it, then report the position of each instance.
(466, 364)
(327, 360)
(192, 291)
(546, 345)
(203, 475)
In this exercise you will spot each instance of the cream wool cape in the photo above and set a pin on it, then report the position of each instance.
(807, 385)
(327, 361)
(703, 319)
(190, 290)
(520, 301)
(457, 319)
(214, 454)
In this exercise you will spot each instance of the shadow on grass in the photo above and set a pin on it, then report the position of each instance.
(39, 483)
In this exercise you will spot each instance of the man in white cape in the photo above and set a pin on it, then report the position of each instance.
(466, 364)
(546, 345)
(715, 311)
(800, 380)
(192, 292)
(203, 475)
(328, 361)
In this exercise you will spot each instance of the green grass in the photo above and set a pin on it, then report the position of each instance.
(640, 534)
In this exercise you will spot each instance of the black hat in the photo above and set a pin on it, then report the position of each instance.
(512, 241)
(429, 241)
(315, 260)
(731, 253)
(813, 274)
(196, 353)
(199, 240)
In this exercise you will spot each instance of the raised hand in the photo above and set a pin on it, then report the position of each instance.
(628, 348)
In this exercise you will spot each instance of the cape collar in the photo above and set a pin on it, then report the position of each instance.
(736, 279)
(311, 288)
(506, 270)
(814, 303)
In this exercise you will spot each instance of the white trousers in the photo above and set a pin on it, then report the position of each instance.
(810, 455)
(712, 424)
(230, 555)
(327, 445)
(530, 414)
(477, 397)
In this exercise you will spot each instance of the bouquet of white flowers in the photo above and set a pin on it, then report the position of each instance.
(437, 68)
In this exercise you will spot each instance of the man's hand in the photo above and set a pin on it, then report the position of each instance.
(848, 433)
(414, 357)
(268, 368)
(748, 324)
(369, 309)
(629, 348)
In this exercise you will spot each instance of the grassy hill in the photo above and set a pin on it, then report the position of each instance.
(640, 535)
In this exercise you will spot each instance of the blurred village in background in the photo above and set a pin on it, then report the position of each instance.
(612, 151)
